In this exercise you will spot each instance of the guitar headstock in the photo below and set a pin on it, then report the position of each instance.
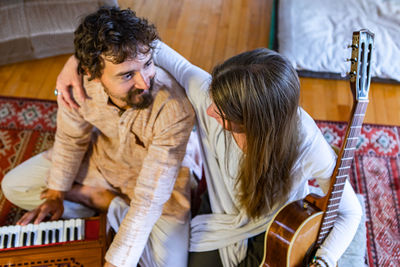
(360, 74)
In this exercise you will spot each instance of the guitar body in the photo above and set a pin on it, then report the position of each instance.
(291, 236)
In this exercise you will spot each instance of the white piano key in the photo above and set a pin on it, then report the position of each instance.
(10, 236)
(72, 231)
(37, 236)
(68, 230)
(80, 227)
(42, 234)
(29, 233)
(7, 243)
(65, 233)
(2, 235)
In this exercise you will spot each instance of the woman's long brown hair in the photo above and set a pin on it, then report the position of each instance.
(259, 90)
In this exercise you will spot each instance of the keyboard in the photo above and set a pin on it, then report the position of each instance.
(74, 243)
(44, 233)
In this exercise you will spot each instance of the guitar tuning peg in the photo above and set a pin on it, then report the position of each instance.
(353, 60)
(352, 46)
(352, 73)
(344, 74)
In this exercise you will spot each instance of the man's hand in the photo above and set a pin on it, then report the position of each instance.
(53, 206)
(68, 79)
(107, 264)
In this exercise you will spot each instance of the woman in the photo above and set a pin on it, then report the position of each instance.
(259, 150)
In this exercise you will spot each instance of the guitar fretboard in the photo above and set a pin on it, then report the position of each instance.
(341, 173)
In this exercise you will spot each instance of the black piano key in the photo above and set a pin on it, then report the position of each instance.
(43, 238)
(32, 237)
(57, 239)
(25, 239)
(75, 233)
(5, 241)
(12, 245)
(68, 234)
(50, 237)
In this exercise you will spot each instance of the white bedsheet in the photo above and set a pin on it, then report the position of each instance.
(313, 34)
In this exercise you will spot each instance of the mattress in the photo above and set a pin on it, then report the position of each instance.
(314, 34)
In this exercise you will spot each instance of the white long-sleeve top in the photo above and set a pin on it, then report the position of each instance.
(228, 227)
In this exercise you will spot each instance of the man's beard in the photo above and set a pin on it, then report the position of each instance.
(146, 97)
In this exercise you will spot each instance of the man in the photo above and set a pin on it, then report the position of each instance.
(124, 144)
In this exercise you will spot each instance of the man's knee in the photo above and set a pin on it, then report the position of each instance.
(8, 186)
(20, 192)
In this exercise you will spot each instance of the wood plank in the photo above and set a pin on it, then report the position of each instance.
(223, 29)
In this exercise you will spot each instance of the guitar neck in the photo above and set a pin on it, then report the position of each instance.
(342, 169)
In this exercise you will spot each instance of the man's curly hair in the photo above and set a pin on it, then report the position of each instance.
(114, 34)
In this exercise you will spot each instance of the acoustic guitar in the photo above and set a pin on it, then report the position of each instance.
(300, 227)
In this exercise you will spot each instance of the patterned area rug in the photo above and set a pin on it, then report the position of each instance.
(375, 175)
(27, 127)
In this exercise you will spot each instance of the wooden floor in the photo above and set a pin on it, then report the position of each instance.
(207, 32)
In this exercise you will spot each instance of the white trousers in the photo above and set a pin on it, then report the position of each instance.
(167, 244)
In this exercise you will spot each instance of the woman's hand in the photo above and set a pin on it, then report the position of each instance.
(319, 262)
(68, 79)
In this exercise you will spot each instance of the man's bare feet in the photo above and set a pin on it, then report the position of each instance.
(92, 197)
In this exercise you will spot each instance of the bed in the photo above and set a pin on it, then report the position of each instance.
(314, 34)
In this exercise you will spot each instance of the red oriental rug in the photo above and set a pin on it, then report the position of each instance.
(27, 127)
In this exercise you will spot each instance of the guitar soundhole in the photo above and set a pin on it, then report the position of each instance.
(309, 255)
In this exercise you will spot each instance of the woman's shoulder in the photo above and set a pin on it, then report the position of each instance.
(166, 82)
(315, 152)
(311, 137)
(308, 127)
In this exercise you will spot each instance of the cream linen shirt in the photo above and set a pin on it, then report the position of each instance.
(137, 153)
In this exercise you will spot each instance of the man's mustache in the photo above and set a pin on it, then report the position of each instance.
(138, 91)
